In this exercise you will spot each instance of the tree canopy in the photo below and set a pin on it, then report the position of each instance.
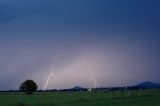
(28, 86)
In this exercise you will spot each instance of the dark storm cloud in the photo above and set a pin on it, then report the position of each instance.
(118, 40)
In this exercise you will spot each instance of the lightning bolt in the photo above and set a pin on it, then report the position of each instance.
(93, 79)
(50, 75)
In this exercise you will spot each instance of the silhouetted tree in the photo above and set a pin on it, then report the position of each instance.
(28, 86)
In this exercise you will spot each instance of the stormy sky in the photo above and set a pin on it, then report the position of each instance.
(114, 42)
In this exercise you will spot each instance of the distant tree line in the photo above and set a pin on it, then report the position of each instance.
(29, 86)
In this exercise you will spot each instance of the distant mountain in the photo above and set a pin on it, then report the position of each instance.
(148, 85)
(78, 88)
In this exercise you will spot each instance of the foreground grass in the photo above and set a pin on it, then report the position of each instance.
(100, 98)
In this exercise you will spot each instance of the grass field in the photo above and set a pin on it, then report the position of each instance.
(99, 98)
